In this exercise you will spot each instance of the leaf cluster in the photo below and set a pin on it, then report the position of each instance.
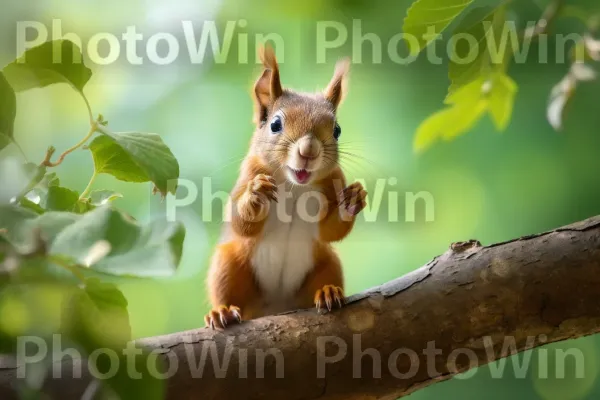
(59, 247)
(484, 41)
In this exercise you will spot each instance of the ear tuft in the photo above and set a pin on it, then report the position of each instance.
(268, 87)
(268, 58)
(336, 90)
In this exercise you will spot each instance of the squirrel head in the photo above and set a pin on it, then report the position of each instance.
(297, 133)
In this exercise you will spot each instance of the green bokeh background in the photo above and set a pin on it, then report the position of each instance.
(486, 185)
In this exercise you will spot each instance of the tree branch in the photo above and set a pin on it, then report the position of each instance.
(537, 289)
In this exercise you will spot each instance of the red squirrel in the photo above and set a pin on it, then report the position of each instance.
(288, 204)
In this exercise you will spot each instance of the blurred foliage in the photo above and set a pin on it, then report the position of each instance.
(51, 237)
(486, 186)
(477, 66)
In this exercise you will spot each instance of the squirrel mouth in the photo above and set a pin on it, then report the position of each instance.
(302, 176)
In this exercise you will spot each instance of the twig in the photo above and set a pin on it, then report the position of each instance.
(542, 26)
(94, 124)
(47, 163)
(548, 17)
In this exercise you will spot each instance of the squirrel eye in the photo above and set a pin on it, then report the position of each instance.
(337, 131)
(276, 124)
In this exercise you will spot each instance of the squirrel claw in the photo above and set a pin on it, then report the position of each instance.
(353, 199)
(223, 316)
(262, 189)
(329, 295)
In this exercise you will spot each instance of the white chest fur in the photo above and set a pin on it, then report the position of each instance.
(284, 255)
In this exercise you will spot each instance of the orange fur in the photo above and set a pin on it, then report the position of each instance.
(333, 227)
(250, 221)
(233, 282)
(327, 271)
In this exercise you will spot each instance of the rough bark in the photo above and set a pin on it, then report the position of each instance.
(537, 289)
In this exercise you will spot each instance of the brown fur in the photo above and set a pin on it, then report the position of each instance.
(233, 288)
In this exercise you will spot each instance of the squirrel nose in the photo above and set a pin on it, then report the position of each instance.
(307, 155)
(308, 150)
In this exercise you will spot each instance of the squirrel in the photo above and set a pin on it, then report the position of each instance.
(289, 203)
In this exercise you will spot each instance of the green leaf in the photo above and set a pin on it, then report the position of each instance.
(61, 199)
(469, 93)
(58, 198)
(154, 250)
(112, 159)
(501, 100)
(83, 206)
(59, 61)
(424, 14)
(8, 112)
(464, 118)
(31, 205)
(104, 239)
(37, 193)
(136, 157)
(495, 94)
(469, 61)
(21, 224)
(431, 130)
(36, 173)
(96, 316)
(50, 179)
(447, 124)
(467, 105)
(16, 179)
(102, 197)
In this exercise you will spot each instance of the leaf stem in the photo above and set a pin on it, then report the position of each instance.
(89, 109)
(46, 162)
(549, 15)
(87, 189)
(94, 124)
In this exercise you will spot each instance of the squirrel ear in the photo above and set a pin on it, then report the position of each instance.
(268, 87)
(336, 90)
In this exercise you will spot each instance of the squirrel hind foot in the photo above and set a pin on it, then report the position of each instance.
(329, 296)
(223, 316)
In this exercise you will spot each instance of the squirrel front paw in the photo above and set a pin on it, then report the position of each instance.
(223, 316)
(330, 296)
(352, 200)
(254, 205)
